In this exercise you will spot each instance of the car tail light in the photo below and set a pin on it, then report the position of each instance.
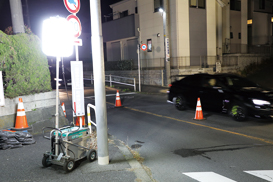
(170, 85)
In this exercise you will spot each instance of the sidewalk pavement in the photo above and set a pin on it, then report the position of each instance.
(25, 164)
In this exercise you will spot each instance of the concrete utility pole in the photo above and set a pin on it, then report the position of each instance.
(167, 62)
(17, 16)
(99, 82)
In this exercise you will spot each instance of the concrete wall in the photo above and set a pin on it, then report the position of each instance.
(235, 26)
(151, 23)
(40, 110)
(123, 6)
(260, 35)
(120, 28)
(182, 41)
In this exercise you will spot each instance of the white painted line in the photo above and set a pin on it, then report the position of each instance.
(208, 177)
(264, 174)
(109, 95)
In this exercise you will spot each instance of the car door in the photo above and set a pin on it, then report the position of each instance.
(211, 94)
(191, 86)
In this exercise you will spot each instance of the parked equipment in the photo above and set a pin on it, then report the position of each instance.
(74, 143)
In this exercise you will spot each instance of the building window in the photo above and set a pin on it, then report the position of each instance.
(249, 22)
(149, 44)
(235, 5)
(261, 4)
(239, 35)
(157, 5)
(136, 10)
(198, 4)
(231, 35)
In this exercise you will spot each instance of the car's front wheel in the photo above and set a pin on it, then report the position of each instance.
(238, 112)
(180, 103)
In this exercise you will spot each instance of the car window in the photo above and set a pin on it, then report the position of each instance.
(209, 82)
(193, 80)
(238, 82)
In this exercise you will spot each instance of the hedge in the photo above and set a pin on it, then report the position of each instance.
(24, 65)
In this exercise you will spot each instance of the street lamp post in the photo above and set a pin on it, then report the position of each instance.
(167, 71)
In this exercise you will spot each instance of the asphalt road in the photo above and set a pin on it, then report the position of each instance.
(174, 146)
(177, 148)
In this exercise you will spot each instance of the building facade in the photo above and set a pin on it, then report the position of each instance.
(200, 32)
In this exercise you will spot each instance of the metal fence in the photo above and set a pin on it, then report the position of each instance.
(115, 79)
(194, 62)
(247, 49)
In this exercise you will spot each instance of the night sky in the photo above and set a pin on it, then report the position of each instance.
(40, 10)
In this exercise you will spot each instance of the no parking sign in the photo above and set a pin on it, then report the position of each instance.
(76, 24)
(73, 6)
(143, 47)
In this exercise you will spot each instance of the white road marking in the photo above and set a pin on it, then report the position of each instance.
(130, 93)
(264, 174)
(208, 177)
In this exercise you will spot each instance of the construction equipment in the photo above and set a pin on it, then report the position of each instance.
(70, 144)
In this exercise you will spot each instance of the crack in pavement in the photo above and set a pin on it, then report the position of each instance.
(202, 151)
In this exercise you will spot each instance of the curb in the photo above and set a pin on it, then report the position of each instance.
(138, 169)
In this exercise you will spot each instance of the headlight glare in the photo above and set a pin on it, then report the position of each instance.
(260, 102)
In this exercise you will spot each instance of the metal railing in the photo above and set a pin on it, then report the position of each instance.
(117, 79)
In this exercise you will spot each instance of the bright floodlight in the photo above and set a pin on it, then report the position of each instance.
(57, 37)
(161, 10)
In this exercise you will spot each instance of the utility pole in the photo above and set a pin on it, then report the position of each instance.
(26, 13)
(166, 42)
(17, 16)
(99, 82)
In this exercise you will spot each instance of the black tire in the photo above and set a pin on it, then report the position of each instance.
(69, 165)
(91, 155)
(46, 161)
(238, 112)
(180, 103)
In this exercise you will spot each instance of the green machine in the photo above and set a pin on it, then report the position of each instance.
(73, 144)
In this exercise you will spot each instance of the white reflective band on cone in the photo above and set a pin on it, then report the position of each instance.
(21, 113)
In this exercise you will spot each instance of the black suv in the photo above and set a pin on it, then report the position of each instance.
(228, 93)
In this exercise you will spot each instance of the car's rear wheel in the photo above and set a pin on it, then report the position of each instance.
(180, 103)
(238, 112)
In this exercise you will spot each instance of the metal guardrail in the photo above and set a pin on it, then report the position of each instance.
(117, 79)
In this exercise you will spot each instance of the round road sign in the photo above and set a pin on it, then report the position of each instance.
(76, 24)
(143, 47)
(73, 6)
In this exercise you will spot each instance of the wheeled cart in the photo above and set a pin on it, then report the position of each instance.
(68, 145)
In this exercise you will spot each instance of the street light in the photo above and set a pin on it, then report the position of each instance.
(166, 46)
(57, 40)
(161, 10)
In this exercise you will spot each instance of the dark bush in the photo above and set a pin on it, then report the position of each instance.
(24, 65)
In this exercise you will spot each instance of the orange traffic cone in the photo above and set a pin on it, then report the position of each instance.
(78, 120)
(21, 118)
(198, 113)
(63, 107)
(118, 102)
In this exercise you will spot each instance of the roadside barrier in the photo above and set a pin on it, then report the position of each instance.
(198, 112)
(63, 107)
(21, 118)
(117, 79)
(78, 119)
(118, 102)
